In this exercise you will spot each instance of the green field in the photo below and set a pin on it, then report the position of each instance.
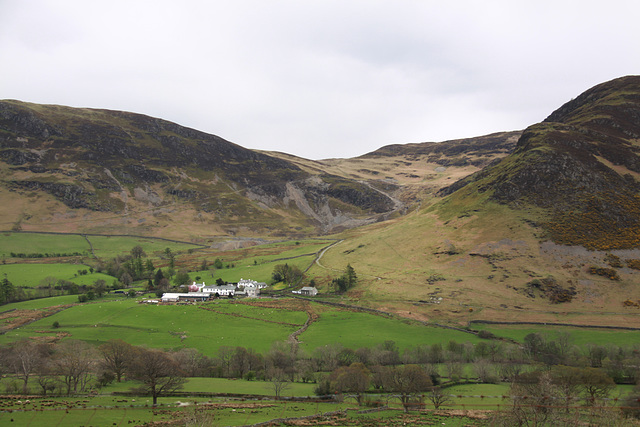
(357, 329)
(30, 275)
(29, 243)
(110, 246)
(577, 336)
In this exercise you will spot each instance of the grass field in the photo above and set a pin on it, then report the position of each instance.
(357, 329)
(103, 246)
(42, 243)
(577, 336)
(30, 275)
(110, 246)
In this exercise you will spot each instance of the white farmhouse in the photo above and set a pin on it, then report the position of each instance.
(225, 290)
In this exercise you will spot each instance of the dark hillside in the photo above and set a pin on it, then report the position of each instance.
(124, 163)
(581, 165)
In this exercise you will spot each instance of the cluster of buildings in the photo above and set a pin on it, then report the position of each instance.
(201, 292)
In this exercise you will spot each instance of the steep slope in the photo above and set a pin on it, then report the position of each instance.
(105, 171)
(581, 166)
(549, 233)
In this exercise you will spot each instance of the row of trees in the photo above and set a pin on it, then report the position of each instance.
(74, 366)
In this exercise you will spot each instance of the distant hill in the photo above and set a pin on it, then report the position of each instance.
(101, 171)
(79, 169)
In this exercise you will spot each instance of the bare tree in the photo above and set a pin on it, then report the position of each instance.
(116, 355)
(192, 362)
(355, 378)
(439, 398)
(74, 360)
(279, 381)
(23, 359)
(407, 381)
(158, 373)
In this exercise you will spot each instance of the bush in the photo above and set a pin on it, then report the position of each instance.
(55, 325)
(486, 335)
(609, 273)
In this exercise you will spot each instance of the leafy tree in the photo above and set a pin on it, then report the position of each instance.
(218, 264)
(99, 287)
(182, 278)
(172, 258)
(7, 290)
(596, 384)
(158, 277)
(289, 274)
(347, 281)
(137, 252)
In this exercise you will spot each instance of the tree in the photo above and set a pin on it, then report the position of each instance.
(439, 398)
(347, 281)
(533, 394)
(7, 290)
(172, 258)
(99, 287)
(289, 274)
(408, 381)
(157, 278)
(182, 278)
(158, 373)
(126, 279)
(192, 362)
(596, 384)
(137, 252)
(24, 358)
(355, 378)
(279, 381)
(568, 380)
(116, 356)
(73, 360)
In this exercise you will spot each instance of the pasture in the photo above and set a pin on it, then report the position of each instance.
(32, 274)
(41, 243)
(578, 336)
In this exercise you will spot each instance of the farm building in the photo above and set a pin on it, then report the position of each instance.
(226, 290)
(308, 291)
(248, 283)
(191, 296)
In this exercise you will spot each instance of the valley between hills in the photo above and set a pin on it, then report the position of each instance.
(539, 225)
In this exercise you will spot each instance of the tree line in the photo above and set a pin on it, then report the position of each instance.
(73, 366)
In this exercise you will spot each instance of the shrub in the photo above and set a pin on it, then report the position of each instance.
(609, 273)
(55, 325)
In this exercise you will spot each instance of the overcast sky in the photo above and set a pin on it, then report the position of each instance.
(318, 78)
